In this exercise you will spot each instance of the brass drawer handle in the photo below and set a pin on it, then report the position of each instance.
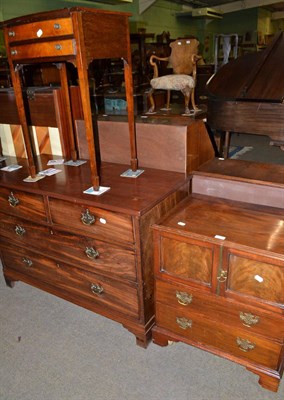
(249, 319)
(58, 47)
(184, 323)
(57, 26)
(222, 277)
(13, 201)
(245, 345)
(91, 253)
(11, 34)
(87, 218)
(13, 52)
(96, 288)
(184, 298)
(27, 261)
(19, 230)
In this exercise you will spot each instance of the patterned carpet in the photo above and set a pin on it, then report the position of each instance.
(236, 152)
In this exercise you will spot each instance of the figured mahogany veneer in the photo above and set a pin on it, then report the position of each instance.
(219, 278)
(73, 284)
(31, 207)
(106, 265)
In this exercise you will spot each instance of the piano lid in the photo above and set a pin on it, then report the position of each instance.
(254, 77)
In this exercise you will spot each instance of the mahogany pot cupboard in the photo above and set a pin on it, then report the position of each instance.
(219, 267)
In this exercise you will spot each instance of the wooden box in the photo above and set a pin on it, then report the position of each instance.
(179, 148)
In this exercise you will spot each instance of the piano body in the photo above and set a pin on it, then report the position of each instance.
(246, 95)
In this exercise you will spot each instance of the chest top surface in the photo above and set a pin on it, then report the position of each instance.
(208, 218)
(243, 171)
(130, 196)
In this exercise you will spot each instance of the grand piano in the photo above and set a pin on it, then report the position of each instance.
(246, 95)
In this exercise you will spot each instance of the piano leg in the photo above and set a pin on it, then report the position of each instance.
(212, 138)
(226, 146)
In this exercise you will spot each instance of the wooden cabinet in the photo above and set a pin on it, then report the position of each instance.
(219, 276)
(95, 251)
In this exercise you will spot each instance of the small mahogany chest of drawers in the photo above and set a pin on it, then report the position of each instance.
(219, 282)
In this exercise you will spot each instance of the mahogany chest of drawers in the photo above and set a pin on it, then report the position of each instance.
(219, 282)
(95, 251)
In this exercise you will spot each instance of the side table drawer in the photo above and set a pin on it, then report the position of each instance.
(73, 283)
(58, 48)
(237, 342)
(92, 221)
(22, 204)
(41, 30)
(187, 300)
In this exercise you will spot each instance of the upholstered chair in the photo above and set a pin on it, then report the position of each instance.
(182, 60)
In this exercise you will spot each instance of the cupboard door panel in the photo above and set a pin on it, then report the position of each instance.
(255, 278)
(186, 260)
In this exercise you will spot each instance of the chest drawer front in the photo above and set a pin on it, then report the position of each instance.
(187, 300)
(186, 260)
(86, 253)
(92, 221)
(90, 254)
(23, 232)
(257, 279)
(41, 30)
(58, 48)
(73, 283)
(22, 204)
(236, 342)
